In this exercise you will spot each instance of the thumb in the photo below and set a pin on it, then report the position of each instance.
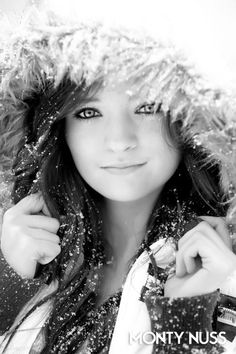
(45, 210)
(32, 204)
(46, 251)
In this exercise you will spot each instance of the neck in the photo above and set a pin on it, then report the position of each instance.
(125, 225)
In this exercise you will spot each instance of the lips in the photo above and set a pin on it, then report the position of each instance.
(124, 165)
(123, 168)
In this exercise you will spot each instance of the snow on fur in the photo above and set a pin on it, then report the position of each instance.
(52, 51)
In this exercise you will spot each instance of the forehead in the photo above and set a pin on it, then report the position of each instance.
(131, 90)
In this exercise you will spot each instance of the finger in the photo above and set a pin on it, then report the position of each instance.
(32, 204)
(202, 238)
(43, 235)
(219, 224)
(184, 263)
(188, 260)
(46, 251)
(40, 222)
(201, 246)
(45, 210)
(206, 229)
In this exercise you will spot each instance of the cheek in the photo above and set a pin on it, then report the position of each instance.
(161, 150)
(151, 136)
(81, 144)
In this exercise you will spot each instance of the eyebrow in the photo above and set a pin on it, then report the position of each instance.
(94, 99)
(88, 100)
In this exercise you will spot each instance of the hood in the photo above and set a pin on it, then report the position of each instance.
(52, 50)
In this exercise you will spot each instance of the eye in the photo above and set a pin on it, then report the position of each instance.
(87, 113)
(148, 108)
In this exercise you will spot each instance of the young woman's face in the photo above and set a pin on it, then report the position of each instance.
(119, 146)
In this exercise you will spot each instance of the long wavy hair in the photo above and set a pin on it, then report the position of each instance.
(44, 163)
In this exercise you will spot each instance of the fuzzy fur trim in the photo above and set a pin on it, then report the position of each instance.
(53, 50)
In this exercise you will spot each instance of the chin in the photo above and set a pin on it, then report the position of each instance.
(124, 196)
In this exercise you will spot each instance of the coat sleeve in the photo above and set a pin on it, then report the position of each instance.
(14, 293)
(226, 315)
(186, 317)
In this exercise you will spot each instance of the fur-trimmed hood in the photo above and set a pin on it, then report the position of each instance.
(35, 55)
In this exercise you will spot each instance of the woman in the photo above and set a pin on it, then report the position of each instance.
(116, 156)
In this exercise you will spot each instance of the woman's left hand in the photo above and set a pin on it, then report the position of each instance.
(203, 261)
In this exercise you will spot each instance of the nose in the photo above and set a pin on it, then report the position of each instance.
(121, 133)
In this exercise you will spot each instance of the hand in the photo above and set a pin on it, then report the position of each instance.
(203, 261)
(27, 237)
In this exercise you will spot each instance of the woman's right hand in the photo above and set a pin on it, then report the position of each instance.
(29, 235)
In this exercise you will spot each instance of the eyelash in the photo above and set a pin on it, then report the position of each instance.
(83, 110)
(98, 114)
